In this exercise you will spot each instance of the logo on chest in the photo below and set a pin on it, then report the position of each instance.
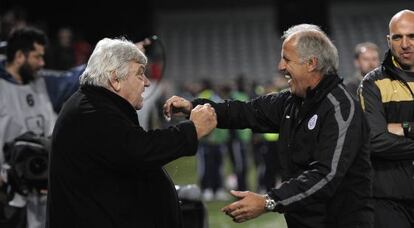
(312, 122)
(30, 100)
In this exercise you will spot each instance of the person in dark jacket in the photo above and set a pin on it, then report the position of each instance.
(387, 97)
(105, 170)
(323, 143)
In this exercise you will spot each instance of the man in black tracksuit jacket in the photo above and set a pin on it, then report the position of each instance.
(387, 98)
(324, 141)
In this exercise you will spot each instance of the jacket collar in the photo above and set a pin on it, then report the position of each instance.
(315, 95)
(4, 74)
(392, 67)
(325, 86)
(103, 97)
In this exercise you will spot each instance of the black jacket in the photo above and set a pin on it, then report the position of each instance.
(106, 171)
(324, 153)
(386, 98)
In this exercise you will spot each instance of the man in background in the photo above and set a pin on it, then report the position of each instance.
(366, 58)
(29, 100)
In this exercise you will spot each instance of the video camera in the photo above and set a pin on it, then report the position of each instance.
(28, 159)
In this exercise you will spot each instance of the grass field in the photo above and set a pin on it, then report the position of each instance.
(183, 171)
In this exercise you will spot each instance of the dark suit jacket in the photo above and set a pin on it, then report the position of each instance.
(106, 171)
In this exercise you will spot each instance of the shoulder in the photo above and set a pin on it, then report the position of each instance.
(340, 101)
(375, 75)
(276, 97)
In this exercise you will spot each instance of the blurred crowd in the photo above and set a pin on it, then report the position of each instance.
(67, 47)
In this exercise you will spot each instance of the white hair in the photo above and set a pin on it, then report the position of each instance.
(312, 42)
(111, 55)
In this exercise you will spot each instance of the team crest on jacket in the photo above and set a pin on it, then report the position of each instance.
(312, 122)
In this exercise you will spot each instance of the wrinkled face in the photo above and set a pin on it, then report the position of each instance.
(294, 69)
(134, 85)
(367, 60)
(401, 40)
(34, 61)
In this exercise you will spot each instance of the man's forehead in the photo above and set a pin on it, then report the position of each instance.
(38, 47)
(289, 44)
(402, 20)
(137, 65)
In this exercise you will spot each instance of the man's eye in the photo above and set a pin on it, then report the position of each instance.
(396, 37)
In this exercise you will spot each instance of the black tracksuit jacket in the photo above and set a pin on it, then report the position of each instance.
(385, 98)
(324, 153)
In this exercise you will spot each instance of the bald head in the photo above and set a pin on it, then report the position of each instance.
(401, 17)
(401, 39)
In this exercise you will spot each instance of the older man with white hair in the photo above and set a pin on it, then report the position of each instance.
(105, 169)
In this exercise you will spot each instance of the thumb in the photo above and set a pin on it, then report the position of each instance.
(238, 194)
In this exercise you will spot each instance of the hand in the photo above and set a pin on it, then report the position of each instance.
(250, 205)
(204, 119)
(395, 128)
(177, 105)
(142, 44)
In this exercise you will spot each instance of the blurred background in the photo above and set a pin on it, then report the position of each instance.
(230, 48)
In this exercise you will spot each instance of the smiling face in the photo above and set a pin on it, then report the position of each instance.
(294, 69)
(133, 86)
(401, 39)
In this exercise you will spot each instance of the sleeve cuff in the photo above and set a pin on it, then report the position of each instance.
(190, 133)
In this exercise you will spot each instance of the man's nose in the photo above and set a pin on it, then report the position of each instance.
(147, 81)
(41, 62)
(405, 43)
(282, 65)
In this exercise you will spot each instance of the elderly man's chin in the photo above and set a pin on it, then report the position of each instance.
(139, 105)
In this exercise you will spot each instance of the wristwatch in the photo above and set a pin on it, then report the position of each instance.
(270, 203)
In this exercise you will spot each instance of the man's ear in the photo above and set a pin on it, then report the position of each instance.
(389, 41)
(114, 82)
(312, 64)
(19, 57)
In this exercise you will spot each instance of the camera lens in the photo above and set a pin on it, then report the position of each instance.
(38, 165)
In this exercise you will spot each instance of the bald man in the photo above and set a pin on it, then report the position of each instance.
(388, 101)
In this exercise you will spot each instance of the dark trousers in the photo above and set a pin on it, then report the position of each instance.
(267, 163)
(238, 156)
(210, 159)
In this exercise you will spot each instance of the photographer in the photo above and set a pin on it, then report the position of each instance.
(29, 98)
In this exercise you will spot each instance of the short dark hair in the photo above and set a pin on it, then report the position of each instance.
(24, 39)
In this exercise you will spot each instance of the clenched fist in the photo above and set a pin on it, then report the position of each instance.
(204, 118)
(177, 105)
